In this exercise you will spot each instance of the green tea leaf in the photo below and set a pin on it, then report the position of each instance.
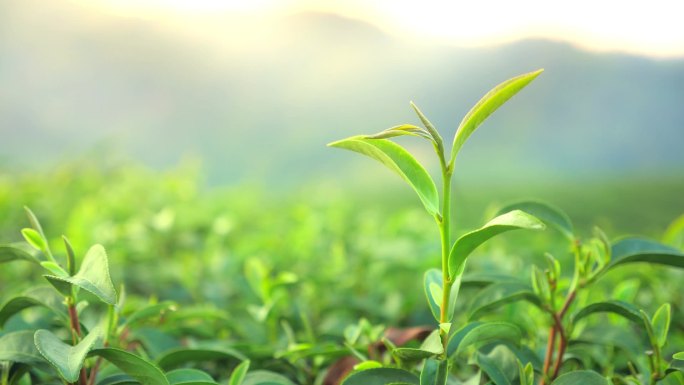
(71, 257)
(265, 377)
(9, 253)
(118, 379)
(434, 134)
(189, 376)
(661, 324)
(432, 346)
(40, 296)
(404, 129)
(478, 334)
(149, 311)
(93, 276)
(66, 359)
(551, 215)
(434, 372)
(581, 377)
(467, 243)
(678, 356)
(486, 106)
(381, 376)
(490, 367)
(145, 372)
(674, 234)
(18, 347)
(631, 250)
(499, 294)
(34, 239)
(54, 268)
(397, 159)
(432, 285)
(624, 309)
(238, 375)
(177, 357)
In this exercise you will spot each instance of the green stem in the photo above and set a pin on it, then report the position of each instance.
(444, 232)
(5, 372)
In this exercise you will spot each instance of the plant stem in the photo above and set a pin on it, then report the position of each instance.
(5, 372)
(550, 345)
(445, 229)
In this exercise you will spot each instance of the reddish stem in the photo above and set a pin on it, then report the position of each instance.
(73, 316)
(549, 353)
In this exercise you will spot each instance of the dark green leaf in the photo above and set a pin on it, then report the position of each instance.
(434, 372)
(93, 276)
(238, 375)
(118, 379)
(551, 215)
(40, 296)
(467, 243)
(264, 377)
(66, 359)
(486, 106)
(490, 367)
(145, 372)
(397, 159)
(178, 357)
(187, 376)
(10, 253)
(478, 334)
(153, 310)
(624, 309)
(499, 294)
(381, 376)
(581, 377)
(630, 250)
(18, 347)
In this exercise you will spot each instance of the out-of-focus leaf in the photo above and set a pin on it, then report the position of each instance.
(265, 377)
(397, 159)
(189, 376)
(624, 309)
(93, 276)
(18, 347)
(10, 253)
(581, 377)
(178, 357)
(148, 311)
(238, 375)
(145, 372)
(661, 324)
(66, 359)
(499, 294)
(489, 103)
(34, 239)
(434, 372)
(478, 334)
(381, 376)
(432, 346)
(490, 367)
(631, 250)
(467, 243)
(674, 234)
(40, 296)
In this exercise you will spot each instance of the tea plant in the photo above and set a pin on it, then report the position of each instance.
(496, 344)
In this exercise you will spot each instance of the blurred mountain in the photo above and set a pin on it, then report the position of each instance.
(259, 98)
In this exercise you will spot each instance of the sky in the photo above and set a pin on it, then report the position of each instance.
(650, 28)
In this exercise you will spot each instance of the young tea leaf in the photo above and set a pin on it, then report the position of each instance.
(239, 373)
(466, 244)
(434, 134)
(552, 216)
(401, 130)
(397, 159)
(486, 106)
(93, 276)
(34, 239)
(66, 359)
(661, 324)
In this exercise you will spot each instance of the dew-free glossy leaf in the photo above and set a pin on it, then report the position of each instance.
(581, 377)
(489, 103)
(432, 346)
(9, 253)
(18, 347)
(93, 276)
(265, 377)
(177, 357)
(434, 134)
(549, 214)
(631, 250)
(381, 376)
(661, 324)
(397, 159)
(434, 372)
(404, 129)
(40, 296)
(66, 359)
(189, 376)
(145, 372)
(624, 309)
(467, 243)
(239, 373)
(478, 334)
(499, 294)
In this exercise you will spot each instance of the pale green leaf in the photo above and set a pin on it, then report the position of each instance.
(66, 359)
(551, 215)
(661, 324)
(381, 376)
(145, 372)
(239, 373)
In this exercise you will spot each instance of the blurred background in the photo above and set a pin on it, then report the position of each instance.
(194, 133)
